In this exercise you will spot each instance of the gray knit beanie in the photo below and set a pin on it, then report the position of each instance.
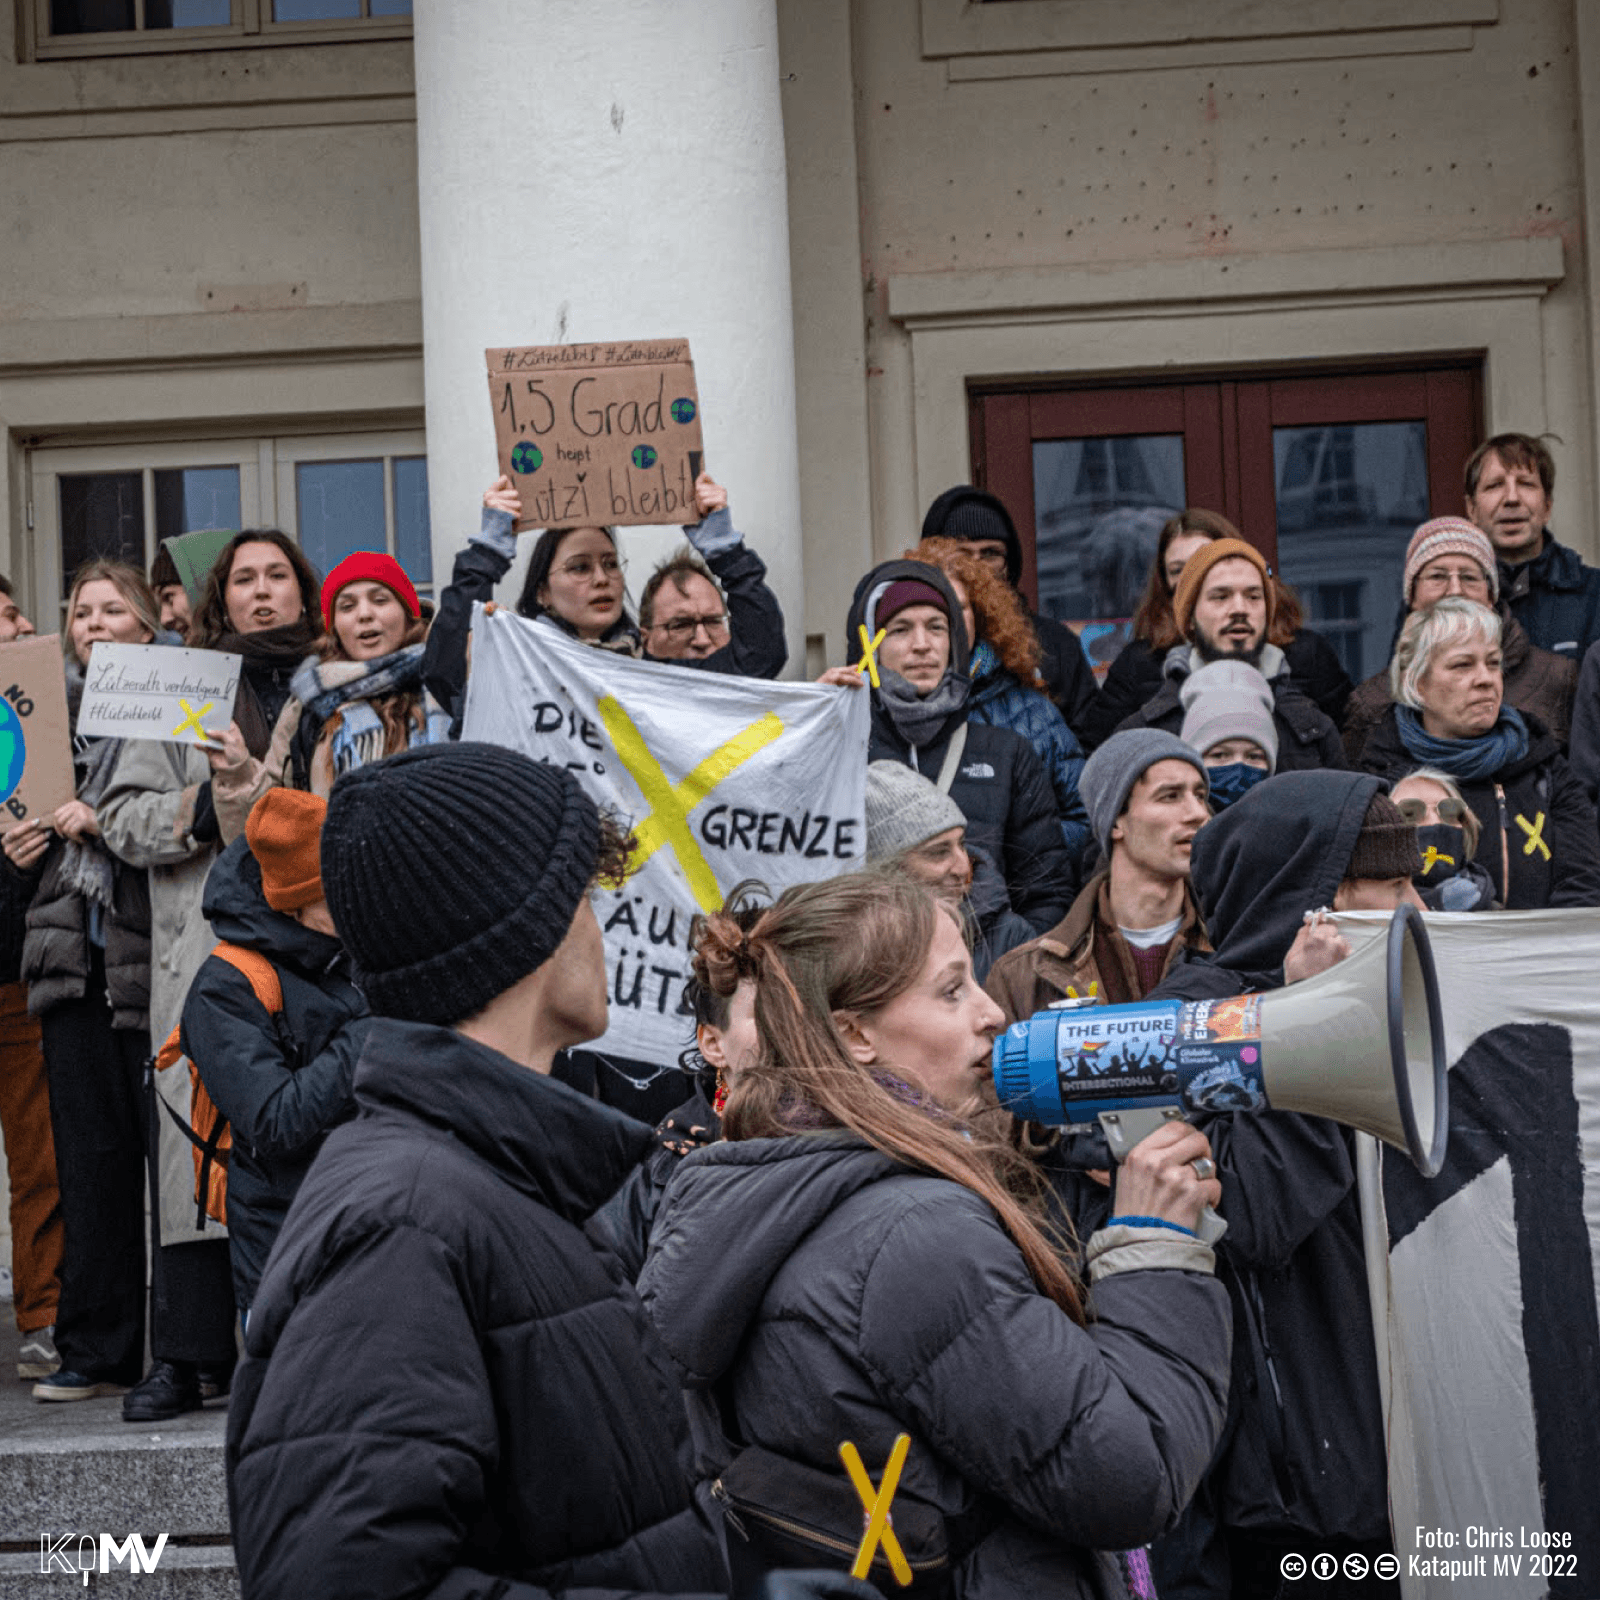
(1228, 700)
(452, 871)
(1110, 773)
(904, 810)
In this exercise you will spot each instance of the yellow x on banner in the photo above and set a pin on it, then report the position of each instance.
(671, 803)
(1535, 833)
(192, 719)
(876, 1502)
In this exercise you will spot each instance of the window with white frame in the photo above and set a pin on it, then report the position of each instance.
(332, 493)
(100, 27)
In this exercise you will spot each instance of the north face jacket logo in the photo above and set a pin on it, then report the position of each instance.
(977, 769)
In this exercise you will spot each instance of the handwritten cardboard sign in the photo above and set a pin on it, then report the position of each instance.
(35, 744)
(158, 691)
(598, 433)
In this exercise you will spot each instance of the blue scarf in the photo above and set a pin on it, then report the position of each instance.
(1466, 760)
(1233, 782)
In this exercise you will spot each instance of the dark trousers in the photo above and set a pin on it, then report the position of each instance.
(96, 1076)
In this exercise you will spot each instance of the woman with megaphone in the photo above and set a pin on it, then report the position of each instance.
(891, 1270)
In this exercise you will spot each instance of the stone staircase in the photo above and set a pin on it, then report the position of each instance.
(77, 1468)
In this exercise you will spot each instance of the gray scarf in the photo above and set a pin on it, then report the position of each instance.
(919, 718)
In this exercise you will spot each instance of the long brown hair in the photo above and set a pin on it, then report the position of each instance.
(400, 712)
(211, 620)
(1153, 621)
(853, 944)
(996, 609)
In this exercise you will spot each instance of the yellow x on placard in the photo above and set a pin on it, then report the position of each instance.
(868, 662)
(876, 1502)
(671, 803)
(192, 719)
(1535, 833)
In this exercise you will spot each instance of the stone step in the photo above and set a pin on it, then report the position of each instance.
(184, 1572)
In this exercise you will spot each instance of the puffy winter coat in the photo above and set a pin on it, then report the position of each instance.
(446, 1389)
(1135, 676)
(999, 783)
(1556, 597)
(1307, 736)
(857, 1298)
(1538, 838)
(282, 1081)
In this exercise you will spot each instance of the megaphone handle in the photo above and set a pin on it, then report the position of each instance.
(1124, 1129)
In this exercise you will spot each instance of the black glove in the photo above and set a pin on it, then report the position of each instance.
(815, 1585)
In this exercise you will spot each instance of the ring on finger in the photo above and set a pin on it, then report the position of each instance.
(1204, 1168)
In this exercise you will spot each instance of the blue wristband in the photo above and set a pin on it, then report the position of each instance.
(1150, 1222)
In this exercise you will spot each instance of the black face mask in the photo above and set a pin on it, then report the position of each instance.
(1444, 852)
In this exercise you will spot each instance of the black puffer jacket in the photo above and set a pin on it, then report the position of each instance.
(446, 1389)
(853, 1298)
(1000, 783)
(1537, 825)
(282, 1082)
(1308, 1458)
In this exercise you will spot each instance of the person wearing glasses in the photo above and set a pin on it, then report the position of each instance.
(1449, 556)
(1538, 840)
(1447, 835)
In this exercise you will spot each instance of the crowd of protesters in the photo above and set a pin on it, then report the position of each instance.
(602, 1324)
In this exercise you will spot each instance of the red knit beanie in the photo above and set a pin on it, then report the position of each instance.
(285, 834)
(369, 566)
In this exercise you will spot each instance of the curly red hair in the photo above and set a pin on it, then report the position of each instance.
(995, 608)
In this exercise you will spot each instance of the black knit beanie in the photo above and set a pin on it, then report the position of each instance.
(968, 513)
(452, 871)
(1386, 847)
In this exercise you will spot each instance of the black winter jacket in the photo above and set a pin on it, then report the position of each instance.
(1308, 1459)
(1556, 597)
(1135, 676)
(1537, 825)
(1000, 785)
(282, 1082)
(856, 1298)
(446, 1390)
(1307, 737)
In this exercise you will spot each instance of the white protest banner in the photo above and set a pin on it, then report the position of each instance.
(158, 691)
(1486, 1279)
(722, 778)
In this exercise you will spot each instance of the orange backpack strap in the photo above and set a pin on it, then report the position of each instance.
(263, 977)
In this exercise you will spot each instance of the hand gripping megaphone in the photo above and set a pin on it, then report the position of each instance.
(1362, 1043)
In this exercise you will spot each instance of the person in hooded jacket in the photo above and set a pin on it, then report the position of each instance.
(1224, 606)
(1538, 837)
(447, 1388)
(281, 1079)
(919, 718)
(1136, 675)
(1306, 1468)
(885, 1276)
(979, 522)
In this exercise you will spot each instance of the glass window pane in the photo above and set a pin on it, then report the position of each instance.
(102, 516)
(413, 548)
(314, 10)
(188, 13)
(91, 16)
(188, 498)
(340, 510)
(1099, 505)
(1349, 497)
(390, 8)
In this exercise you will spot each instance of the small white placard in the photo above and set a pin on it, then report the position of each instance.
(158, 691)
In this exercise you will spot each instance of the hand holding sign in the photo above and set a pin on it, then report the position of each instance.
(501, 495)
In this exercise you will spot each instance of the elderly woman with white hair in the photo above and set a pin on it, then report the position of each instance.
(1538, 838)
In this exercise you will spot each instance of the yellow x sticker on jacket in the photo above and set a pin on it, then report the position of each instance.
(1535, 833)
(671, 803)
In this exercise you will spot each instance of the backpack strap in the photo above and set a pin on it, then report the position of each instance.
(260, 973)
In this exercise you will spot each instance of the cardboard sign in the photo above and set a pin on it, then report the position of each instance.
(592, 434)
(194, 555)
(35, 745)
(158, 691)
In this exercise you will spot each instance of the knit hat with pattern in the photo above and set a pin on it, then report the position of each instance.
(452, 872)
(1450, 536)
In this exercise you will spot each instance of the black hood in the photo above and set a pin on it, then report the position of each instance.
(933, 525)
(732, 1217)
(236, 907)
(1271, 857)
(890, 572)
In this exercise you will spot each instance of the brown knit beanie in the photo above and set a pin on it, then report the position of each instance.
(285, 834)
(1386, 847)
(1193, 577)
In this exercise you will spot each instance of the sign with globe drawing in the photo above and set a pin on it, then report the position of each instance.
(35, 751)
